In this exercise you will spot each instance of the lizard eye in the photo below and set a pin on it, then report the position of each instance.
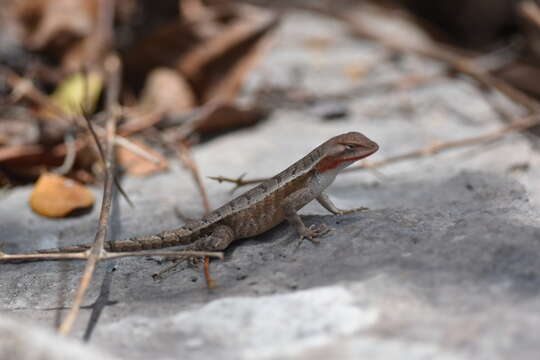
(349, 146)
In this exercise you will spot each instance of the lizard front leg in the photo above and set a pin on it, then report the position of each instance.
(294, 202)
(325, 201)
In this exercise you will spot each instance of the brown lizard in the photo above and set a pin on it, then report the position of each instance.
(265, 205)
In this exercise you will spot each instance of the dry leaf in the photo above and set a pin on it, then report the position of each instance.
(214, 51)
(136, 164)
(161, 48)
(167, 91)
(319, 43)
(55, 196)
(218, 66)
(78, 92)
(57, 20)
(227, 117)
(356, 71)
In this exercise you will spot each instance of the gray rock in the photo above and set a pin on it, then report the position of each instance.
(26, 342)
(444, 265)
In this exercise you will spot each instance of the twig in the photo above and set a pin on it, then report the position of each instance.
(129, 145)
(137, 121)
(517, 125)
(210, 283)
(25, 88)
(112, 68)
(102, 153)
(197, 117)
(239, 181)
(435, 51)
(71, 154)
(184, 154)
(531, 11)
(105, 256)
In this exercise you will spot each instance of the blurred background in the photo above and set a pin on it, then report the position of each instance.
(184, 65)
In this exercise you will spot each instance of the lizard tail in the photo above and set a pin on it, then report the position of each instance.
(159, 241)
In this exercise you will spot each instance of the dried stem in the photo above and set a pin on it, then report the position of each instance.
(71, 154)
(25, 88)
(523, 124)
(197, 117)
(531, 11)
(517, 125)
(112, 69)
(83, 255)
(184, 154)
(210, 283)
(239, 181)
(435, 51)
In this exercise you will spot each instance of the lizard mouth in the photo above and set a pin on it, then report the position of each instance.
(358, 157)
(332, 164)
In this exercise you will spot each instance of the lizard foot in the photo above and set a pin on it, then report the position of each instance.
(313, 232)
(350, 211)
(176, 262)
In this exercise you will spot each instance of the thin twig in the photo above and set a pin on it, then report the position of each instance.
(531, 11)
(71, 154)
(435, 51)
(25, 88)
(112, 69)
(134, 148)
(102, 153)
(210, 283)
(516, 126)
(184, 153)
(83, 255)
(197, 117)
(239, 181)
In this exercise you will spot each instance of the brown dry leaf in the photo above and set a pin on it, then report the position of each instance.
(136, 164)
(32, 157)
(161, 48)
(167, 91)
(75, 31)
(55, 196)
(16, 152)
(218, 66)
(227, 117)
(214, 50)
(194, 10)
(356, 71)
(58, 21)
(318, 43)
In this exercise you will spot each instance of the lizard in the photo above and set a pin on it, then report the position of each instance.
(264, 206)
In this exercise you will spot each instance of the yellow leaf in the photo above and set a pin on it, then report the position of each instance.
(78, 92)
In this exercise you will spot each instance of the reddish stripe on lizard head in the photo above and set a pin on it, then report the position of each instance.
(329, 164)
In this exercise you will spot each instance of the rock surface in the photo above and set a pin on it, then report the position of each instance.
(445, 265)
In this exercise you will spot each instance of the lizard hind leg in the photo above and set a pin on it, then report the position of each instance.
(220, 238)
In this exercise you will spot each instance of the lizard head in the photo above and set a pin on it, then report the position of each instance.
(343, 150)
